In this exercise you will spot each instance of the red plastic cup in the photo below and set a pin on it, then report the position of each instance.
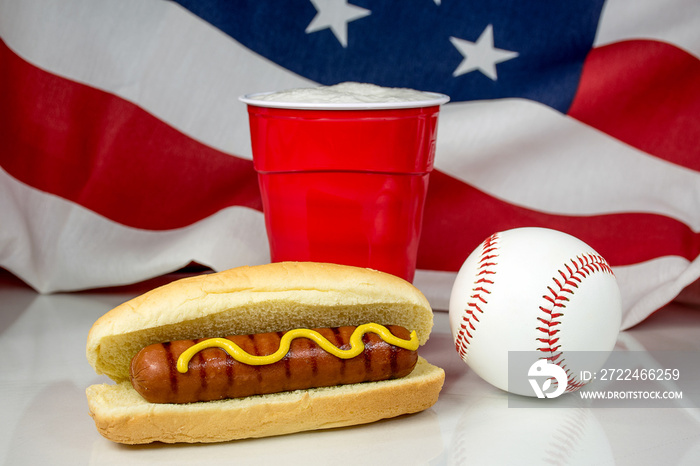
(345, 183)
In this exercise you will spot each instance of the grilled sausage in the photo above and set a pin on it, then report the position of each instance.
(214, 375)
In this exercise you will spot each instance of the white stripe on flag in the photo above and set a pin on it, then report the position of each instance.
(671, 21)
(533, 156)
(650, 285)
(54, 245)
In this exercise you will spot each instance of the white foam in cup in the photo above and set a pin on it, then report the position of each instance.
(347, 95)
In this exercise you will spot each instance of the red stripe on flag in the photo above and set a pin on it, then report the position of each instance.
(646, 94)
(458, 217)
(109, 155)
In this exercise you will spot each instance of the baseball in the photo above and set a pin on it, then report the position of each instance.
(538, 291)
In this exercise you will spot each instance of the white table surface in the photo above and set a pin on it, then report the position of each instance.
(44, 416)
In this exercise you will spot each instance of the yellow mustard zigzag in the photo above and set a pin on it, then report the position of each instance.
(356, 345)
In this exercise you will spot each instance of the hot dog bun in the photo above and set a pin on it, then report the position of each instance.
(247, 300)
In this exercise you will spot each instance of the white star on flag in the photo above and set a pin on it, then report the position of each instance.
(335, 14)
(480, 55)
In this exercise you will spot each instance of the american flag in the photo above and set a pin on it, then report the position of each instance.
(125, 154)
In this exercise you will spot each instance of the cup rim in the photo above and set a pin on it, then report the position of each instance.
(435, 99)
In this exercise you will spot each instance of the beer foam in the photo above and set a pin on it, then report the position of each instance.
(347, 92)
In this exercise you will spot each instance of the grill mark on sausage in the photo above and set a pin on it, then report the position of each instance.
(256, 352)
(229, 369)
(368, 355)
(285, 360)
(172, 369)
(393, 360)
(313, 362)
(339, 343)
(202, 372)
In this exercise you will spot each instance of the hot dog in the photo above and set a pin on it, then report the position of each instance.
(214, 374)
(315, 382)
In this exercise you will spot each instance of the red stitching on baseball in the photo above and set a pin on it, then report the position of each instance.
(580, 268)
(480, 293)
